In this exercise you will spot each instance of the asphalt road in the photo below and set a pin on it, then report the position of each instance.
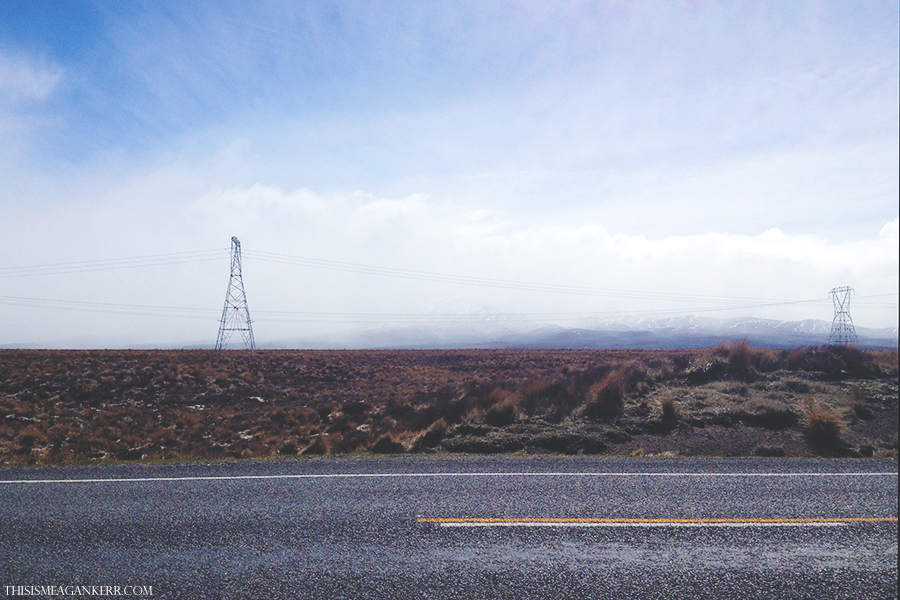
(485, 527)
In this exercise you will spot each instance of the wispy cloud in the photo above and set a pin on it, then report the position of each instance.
(714, 148)
(23, 80)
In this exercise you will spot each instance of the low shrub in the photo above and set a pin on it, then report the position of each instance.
(837, 363)
(474, 415)
(822, 426)
(355, 408)
(863, 411)
(606, 398)
(387, 444)
(288, 449)
(30, 436)
(473, 444)
(707, 369)
(505, 408)
(886, 360)
(670, 411)
(770, 417)
(432, 436)
(318, 447)
(738, 361)
(769, 451)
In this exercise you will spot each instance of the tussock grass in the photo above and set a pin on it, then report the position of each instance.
(30, 436)
(887, 360)
(606, 399)
(769, 451)
(504, 408)
(837, 363)
(387, 444)
(823, 427)
(318, 447)
(289, 448)
(670, 411)
(552, 398)
(95, 406)
(738, 361)
(432, 436)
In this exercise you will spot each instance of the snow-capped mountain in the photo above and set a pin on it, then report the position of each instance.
(488, 330)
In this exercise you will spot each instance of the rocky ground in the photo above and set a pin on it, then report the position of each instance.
(733, 400)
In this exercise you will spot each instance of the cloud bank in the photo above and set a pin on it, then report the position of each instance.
(702, 158)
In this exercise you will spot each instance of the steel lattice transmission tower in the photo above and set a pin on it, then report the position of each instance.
(235, 314)
(842, 329)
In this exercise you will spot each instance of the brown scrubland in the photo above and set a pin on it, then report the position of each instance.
(86, 406)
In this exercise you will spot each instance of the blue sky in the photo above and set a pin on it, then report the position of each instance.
(746, 151)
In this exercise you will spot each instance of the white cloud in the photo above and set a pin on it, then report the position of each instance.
(420, 233)
(22, 80)
(891, 230)
(735, 161)
(415, 232)
(260, 199)
(377, 214)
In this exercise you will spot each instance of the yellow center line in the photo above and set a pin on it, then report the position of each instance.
(474, 520)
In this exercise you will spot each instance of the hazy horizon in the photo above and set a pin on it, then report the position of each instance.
(387, 164)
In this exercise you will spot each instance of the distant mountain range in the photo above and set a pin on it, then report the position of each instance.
(680, 332)
(486, 330)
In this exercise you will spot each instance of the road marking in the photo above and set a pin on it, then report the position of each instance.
(588, 522)
(623, 525)
(433, 475)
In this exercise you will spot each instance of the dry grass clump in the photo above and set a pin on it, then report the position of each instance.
(551, 398)
(432, 436)
(606, 398)
(837, 363)
(769, 451)
(319, 446)
(670, 411)
(738, 354)
(388, 444)
(289, 448)
(30, 436)
(474, 415)
(737, 361)
(504, 408)
(740, 361)
(886, 360)
(93, 406)
(822, 426)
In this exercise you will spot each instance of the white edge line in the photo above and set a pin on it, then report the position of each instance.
(413, 475)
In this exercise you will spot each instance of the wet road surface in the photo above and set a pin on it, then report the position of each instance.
(480, 527)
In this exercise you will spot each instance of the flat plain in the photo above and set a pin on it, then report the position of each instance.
(94, 406)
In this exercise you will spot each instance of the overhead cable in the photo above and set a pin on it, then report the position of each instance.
(153, 260)
(500, 283)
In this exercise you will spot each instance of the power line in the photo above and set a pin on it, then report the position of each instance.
(270, 316)
(111, 308)
(701, 303)
(153, 260)
(218, 254)
(313, 316)
(501, 283)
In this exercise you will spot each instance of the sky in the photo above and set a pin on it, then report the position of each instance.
(395, 164)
